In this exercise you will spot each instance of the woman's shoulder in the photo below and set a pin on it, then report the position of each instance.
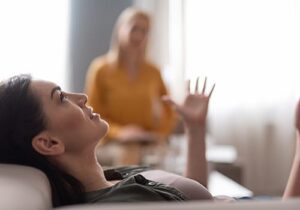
(99, 64)
(152, 69)
(151, 66)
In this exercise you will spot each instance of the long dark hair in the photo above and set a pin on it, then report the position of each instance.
(22, 118)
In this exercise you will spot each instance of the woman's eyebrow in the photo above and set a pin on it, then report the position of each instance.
(53, 91)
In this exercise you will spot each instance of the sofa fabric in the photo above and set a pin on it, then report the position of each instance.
(23, 187)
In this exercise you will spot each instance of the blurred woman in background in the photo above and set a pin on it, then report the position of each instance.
(126, 89)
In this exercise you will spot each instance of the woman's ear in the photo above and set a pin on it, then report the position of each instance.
(44, 144)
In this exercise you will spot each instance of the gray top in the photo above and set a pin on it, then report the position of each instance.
(133, 187)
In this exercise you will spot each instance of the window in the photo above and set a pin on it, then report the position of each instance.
(34, 39)
(250, 48)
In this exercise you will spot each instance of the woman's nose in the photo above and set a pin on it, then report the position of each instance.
(82, 99)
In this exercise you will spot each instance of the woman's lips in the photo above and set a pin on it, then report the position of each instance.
(92, 114)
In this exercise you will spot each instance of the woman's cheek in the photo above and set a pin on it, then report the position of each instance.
(71, 121)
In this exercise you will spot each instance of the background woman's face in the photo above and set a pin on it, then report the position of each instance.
(68, 118)
(134, 34)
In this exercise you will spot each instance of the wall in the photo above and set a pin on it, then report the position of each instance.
(91, 24)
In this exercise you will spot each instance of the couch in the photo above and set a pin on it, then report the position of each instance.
(28, 188)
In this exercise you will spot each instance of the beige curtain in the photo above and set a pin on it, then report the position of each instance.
(251, 49)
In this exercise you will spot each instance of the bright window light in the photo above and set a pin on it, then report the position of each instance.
(250, 48)
(34, 39)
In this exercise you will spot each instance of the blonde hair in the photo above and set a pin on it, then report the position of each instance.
(125, 17)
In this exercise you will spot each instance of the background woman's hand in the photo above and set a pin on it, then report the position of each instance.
(195, 107)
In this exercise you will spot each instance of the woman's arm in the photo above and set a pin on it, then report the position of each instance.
(293, 185)
(193, 112)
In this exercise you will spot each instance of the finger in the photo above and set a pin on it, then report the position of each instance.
(211, 91)
(188, 84)
(204, 86)
(196, 86)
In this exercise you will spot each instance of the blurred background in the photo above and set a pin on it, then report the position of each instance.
(249, 48)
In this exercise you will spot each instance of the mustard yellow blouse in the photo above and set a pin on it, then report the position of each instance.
(121, 101)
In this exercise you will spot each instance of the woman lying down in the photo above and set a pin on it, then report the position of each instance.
(44, 127)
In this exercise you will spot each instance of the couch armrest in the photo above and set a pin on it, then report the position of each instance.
(23, 187)
(195, 205)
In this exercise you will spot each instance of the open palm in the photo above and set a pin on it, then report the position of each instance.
(195, 106)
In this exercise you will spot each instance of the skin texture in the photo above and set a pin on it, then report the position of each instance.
(68, 118)
(71, 135)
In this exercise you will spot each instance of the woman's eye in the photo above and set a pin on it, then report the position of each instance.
(62, 96)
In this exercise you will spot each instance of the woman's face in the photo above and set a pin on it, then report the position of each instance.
(68, 118)
(134, 34)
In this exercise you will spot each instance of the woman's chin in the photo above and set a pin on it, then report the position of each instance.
(103, 129)
(106, 125)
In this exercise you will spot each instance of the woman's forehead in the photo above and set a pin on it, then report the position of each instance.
(42, 87)
(42, 83)
(139, 20)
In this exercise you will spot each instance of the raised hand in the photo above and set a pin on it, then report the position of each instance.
(193, 112)
(195, 106)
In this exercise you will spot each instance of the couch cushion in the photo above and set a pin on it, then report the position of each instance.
(23, 187)
(195, 205)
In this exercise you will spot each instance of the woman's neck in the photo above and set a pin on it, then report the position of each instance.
(131, 61)
(94, 179)
(87, 170)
